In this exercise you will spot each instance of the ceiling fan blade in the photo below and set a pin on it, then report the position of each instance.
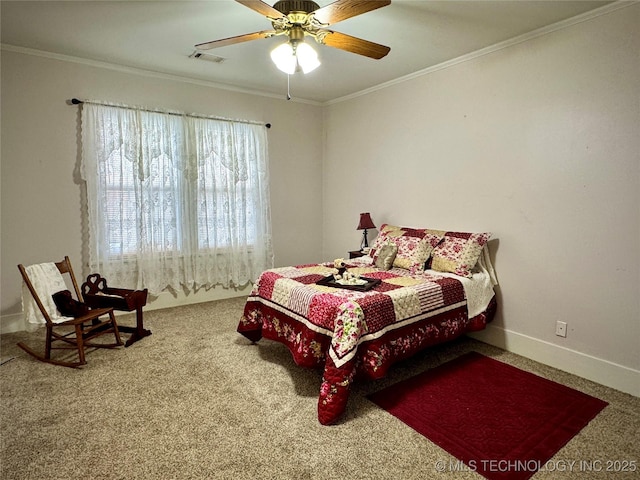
(233, 40)
(355, 45)
(262, 8)
(342, 9)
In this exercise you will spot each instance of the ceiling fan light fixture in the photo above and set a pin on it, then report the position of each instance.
(288, 57)
(299, 18)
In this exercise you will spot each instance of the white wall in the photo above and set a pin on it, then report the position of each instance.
(41, 194)
(538, 143)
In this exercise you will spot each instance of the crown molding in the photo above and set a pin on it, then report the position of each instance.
(554, 27)
(145, 73)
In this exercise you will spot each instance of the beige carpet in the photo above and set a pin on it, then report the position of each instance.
(196, 400)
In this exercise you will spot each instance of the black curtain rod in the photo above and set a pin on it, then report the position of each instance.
(75, 101)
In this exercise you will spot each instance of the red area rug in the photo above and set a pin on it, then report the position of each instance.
(502, 422)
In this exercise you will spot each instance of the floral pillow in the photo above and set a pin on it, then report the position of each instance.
(459, 252)
(414, 245)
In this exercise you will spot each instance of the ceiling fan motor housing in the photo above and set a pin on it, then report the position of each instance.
(288, 6)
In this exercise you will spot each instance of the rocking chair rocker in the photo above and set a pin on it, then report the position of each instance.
(77, 333)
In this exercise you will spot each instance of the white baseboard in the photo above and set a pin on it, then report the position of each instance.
(11, 323)
(168, 300)
(586, 366)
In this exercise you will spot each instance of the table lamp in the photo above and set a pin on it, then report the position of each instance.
(364, 224)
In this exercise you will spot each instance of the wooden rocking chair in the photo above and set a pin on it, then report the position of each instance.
(83, 329)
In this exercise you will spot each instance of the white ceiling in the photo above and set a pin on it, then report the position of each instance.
(160, 35)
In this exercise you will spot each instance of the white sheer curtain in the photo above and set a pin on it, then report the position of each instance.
(174, 200)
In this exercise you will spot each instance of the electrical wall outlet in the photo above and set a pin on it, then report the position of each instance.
(561, 329)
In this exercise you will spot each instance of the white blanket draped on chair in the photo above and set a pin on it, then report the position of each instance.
(46, 280)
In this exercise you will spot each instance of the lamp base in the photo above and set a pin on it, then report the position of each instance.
(364, 244)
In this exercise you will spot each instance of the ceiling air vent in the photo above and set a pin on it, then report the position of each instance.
(206, 56)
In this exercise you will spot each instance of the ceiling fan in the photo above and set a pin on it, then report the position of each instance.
(298, 19)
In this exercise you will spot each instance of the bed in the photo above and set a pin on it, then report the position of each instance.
(423, 287)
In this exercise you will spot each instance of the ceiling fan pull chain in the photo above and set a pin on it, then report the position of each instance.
(288, 91)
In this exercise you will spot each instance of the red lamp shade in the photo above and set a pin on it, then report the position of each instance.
(365, 222)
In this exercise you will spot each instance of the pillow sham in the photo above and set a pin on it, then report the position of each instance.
(386, 256)
(458, 252)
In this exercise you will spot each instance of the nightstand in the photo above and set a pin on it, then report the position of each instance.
(356, 254)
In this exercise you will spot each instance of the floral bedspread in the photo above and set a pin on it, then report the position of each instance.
(350, 332)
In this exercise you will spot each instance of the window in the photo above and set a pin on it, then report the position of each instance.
(175, 201)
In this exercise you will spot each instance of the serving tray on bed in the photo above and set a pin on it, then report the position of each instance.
(331, 282)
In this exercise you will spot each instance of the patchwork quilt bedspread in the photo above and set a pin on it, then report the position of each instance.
(355, 333)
